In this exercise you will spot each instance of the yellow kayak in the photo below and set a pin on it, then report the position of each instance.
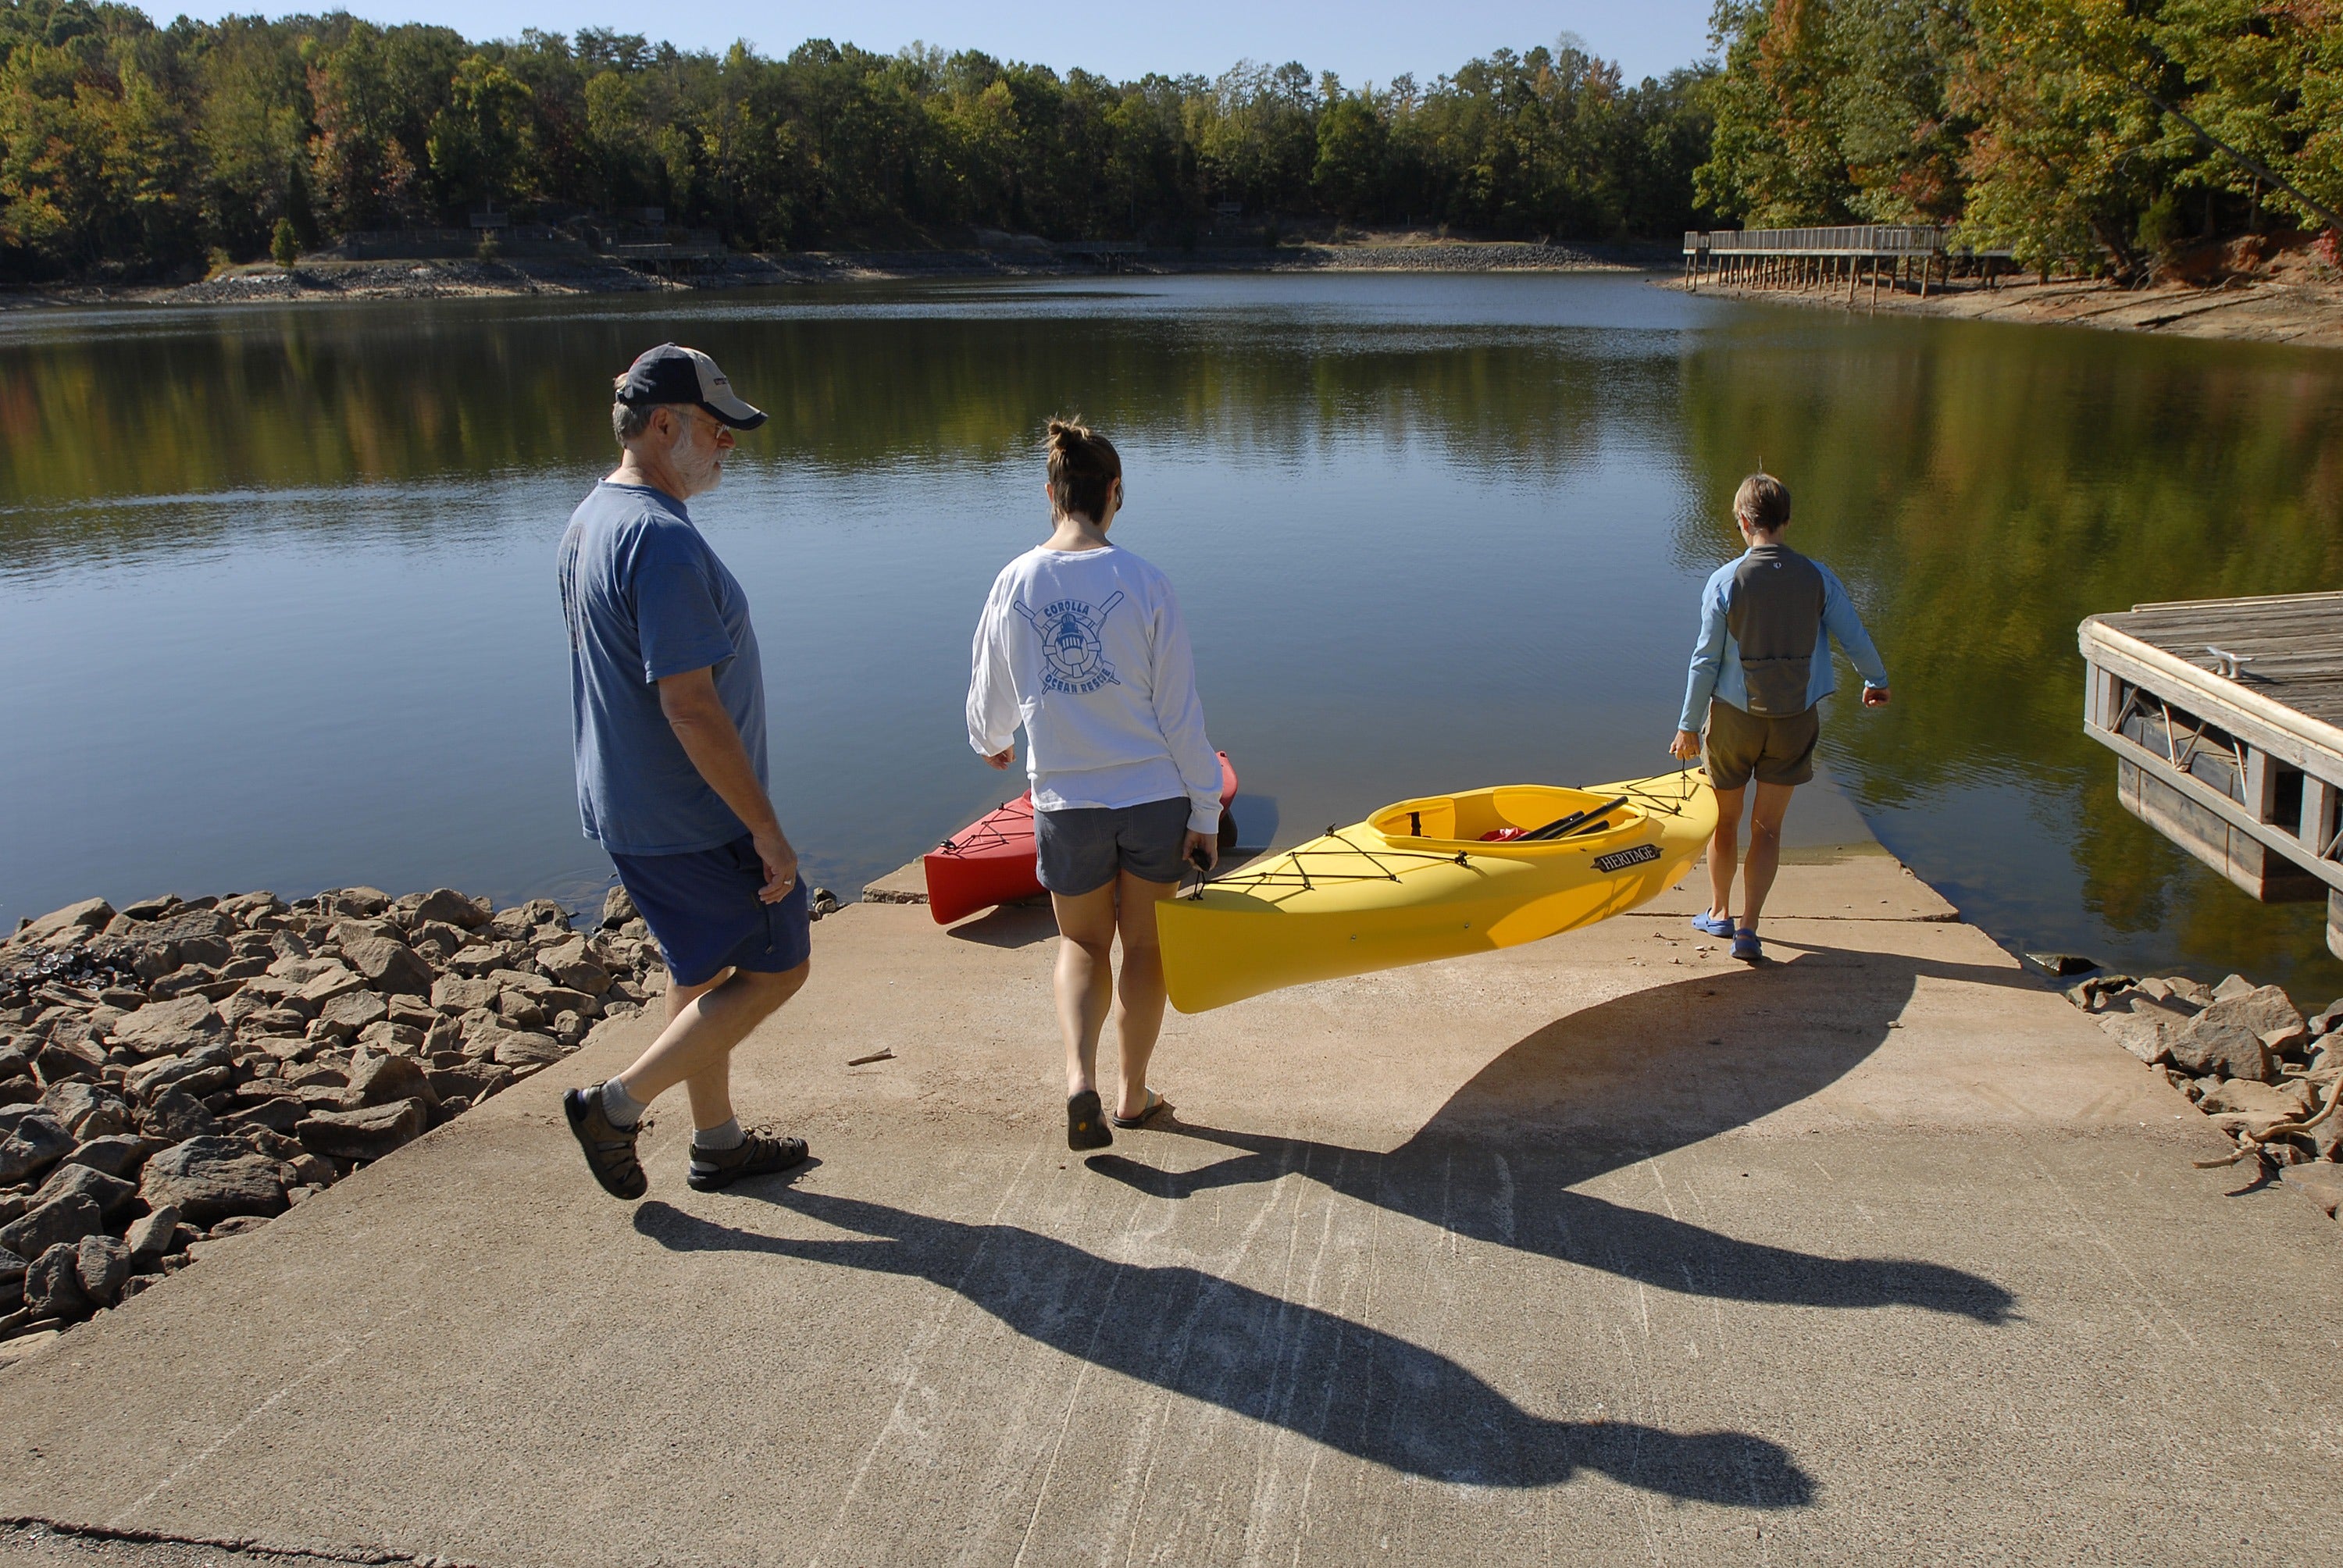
(1417, 881)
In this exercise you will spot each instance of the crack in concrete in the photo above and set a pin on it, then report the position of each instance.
(60, 1541)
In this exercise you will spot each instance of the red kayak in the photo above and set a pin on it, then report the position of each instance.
(990, 860)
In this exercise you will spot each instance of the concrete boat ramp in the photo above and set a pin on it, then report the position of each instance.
(1601, 1249)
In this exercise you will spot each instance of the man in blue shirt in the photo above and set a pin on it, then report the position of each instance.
(668, 713)
(1758, 677)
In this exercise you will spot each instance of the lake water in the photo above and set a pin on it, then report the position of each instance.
(276, 598)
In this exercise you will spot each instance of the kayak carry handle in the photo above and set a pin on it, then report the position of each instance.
(1415, 824)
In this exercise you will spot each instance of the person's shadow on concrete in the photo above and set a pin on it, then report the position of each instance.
(1354, 1389)
(1617, 1084)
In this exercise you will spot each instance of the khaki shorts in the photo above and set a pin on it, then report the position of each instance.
(1737, 744)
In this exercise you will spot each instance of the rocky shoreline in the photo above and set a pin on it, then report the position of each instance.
(2245, 1056)
(182, 1071)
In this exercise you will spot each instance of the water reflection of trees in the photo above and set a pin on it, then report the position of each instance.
(313, 400)
(1982, 491)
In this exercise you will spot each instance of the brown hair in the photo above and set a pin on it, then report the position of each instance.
(1763, 501)
(1083, 467)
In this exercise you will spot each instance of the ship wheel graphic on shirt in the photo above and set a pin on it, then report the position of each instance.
(1073, 658)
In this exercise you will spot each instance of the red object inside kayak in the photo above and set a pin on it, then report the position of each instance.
(991, 860)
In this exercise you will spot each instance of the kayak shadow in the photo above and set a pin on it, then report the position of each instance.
(1256, 818)
(1616, 1084)
(1350, 1387)
(1009, 926)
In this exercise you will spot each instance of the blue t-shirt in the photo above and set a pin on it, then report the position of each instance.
(646, 599)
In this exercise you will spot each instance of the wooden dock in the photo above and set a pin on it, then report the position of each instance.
(1856, 256)
(2225, 717)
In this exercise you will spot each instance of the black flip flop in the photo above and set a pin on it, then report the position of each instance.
(1085, 1123)
(1155, 1102)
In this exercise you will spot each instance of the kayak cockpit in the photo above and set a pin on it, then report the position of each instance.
(1500, 818)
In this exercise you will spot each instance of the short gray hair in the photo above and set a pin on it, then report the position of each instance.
(628, 420)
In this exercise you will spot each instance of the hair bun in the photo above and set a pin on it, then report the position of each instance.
(1083, 467)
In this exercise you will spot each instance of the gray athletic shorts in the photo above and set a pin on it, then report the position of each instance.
(1775, 750)
(1081, 848)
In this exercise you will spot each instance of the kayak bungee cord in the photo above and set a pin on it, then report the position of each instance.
(1290, 872)
(1377, 894)
(977, 836)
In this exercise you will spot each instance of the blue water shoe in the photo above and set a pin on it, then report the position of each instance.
(1710, 925)
(1745, 947)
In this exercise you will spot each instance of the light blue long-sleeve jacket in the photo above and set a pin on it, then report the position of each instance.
(1716, 661)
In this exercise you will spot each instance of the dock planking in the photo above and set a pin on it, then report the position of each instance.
(2227, 719)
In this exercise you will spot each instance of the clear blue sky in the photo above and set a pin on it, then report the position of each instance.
(1363, 40)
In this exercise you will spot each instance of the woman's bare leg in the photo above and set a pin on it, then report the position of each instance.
(1724, 853)
(1138, 989)
(1764, 848)
(1084, 980)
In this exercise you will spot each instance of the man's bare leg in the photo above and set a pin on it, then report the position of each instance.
(1084, 979)
(1139, 987)
(1723, 851)
(1764, 847)
(704, 1023)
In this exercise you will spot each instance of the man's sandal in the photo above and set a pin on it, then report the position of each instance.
(609, 1149)
(758, 1153)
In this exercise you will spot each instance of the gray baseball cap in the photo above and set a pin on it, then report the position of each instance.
(673, 374)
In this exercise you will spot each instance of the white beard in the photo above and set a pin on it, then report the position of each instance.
(700, 474)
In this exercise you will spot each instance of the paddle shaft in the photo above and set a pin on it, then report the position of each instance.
(1562, 826)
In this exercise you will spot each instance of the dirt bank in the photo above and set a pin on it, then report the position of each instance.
(324, 279)
(2298, 303)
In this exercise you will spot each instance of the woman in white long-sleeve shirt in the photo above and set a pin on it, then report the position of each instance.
(1081, 644)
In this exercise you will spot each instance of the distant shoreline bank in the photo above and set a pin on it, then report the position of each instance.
(2297, 309)
(2293, 309)
(326, 279)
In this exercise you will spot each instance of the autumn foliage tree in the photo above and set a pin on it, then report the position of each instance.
(2103, 132)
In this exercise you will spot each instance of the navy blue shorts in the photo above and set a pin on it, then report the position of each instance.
(1081, 848)
(703, 908)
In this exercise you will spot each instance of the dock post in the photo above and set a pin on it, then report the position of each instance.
(2317, 810)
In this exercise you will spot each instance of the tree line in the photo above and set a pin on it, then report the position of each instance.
(2107, 132)
(131, 148)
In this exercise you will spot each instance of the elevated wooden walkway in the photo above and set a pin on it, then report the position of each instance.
(2225, 717)
(1857, 255)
